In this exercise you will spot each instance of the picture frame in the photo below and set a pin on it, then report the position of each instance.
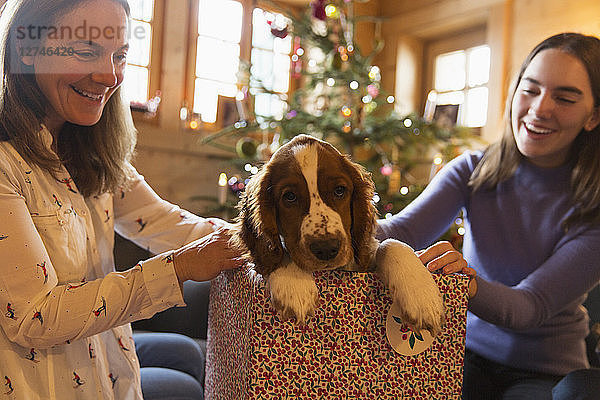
(228, 111)
(446, 115)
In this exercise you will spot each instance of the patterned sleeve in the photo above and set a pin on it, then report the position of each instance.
(39, 311)
(155, 224)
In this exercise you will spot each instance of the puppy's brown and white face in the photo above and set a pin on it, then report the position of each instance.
(312, 195)
(310, 202)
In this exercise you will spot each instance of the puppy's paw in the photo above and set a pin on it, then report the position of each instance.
(411, 286)
(294, 293)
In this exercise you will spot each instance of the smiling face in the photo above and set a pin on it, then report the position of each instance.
(77, 84)
(552, 104)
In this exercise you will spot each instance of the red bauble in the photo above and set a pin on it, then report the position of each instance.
(277, 31)
(318, 9)
(280, 33)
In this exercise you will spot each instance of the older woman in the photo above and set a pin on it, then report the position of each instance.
(66, 184)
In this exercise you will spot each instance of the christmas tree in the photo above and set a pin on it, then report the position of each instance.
(341, 101)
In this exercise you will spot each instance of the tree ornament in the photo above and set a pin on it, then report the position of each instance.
(318, 10)
(334, 60)
(278, 31)
(373, 90)
(246, 147)
(386, 170)
(395, 181)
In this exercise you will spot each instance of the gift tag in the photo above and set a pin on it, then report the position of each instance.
(402, 339)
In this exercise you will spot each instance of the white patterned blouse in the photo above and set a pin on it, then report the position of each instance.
(66, 312)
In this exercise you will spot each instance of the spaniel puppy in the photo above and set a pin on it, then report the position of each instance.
(310, 209)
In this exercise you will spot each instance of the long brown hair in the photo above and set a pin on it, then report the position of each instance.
(501, 159)
(98, 156)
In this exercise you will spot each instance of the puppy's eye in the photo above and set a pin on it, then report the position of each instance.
(290, 197)
(339, 191)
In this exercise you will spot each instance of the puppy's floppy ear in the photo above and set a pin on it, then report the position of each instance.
(364, 213)
(258, 235)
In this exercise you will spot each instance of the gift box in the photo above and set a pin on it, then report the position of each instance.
(345, 351)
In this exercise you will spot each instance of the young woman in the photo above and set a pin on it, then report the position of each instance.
(66, 184)
(532, 217)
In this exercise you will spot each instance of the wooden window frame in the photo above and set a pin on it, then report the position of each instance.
(155, 63)
(462, 40)
(245, 49)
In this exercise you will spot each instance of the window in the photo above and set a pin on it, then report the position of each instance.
(217, 54)
(461, 77)
(270, 59)
(138, 83)
(219, 46)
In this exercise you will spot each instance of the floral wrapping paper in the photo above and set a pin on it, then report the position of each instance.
(341, 353)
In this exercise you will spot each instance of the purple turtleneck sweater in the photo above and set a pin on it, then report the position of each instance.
(532, 275)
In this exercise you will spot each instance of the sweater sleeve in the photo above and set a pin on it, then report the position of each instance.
(427, 217)
(561, 281)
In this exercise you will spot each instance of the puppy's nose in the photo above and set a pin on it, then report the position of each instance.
(325, 249)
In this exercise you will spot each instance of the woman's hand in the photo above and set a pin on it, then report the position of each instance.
(205, 258)
(443, 257)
